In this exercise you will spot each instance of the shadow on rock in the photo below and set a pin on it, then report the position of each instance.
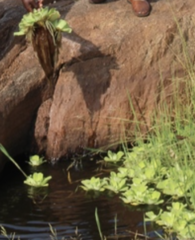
(92, 71)
(80, 94)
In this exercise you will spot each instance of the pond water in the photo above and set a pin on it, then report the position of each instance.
(61, 206)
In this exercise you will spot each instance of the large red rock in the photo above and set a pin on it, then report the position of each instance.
(112, 56)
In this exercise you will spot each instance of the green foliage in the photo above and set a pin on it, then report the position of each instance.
(43, 29)
(143, 177)
(94, 184)
(139, 193)
(177, 183)
(36, 160)
(115, 183)
(46, 18)
(37, 180)
(137, 154)
(114, 157)
(149, 171)
(98, 224)
(123, 172)
(178, 219)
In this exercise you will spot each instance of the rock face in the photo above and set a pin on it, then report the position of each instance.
(111, 57)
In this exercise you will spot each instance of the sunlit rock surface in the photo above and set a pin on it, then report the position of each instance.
(110, 56)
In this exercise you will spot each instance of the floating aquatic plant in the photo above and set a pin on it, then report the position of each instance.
(94, 184)
(123, 172)
(36, 160)
(178, 219)
(114, 157)
(116, 183)
(178, 181)
(150, 171)
(43, 28)
(37, 180)
(139, 193)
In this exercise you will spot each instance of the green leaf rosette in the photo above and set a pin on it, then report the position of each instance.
(43, 28)
(44, 17)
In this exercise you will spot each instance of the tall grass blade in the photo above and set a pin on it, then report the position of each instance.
(115, 224)
(3, 150)
(98, 224)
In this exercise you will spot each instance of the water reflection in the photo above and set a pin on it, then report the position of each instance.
(28, 211)
(37, 194)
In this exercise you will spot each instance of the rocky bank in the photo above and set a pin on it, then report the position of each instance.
(110, 57)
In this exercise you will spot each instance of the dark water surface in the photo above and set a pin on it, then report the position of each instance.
(60, 206)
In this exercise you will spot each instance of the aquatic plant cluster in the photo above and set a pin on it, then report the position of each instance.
(143, 179)
(35, 180)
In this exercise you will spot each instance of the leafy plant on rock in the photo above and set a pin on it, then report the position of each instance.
(46, 18)
(43, 28)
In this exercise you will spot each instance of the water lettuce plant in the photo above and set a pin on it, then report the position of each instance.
(140, 193)
(113, 157)
(94, 184)
(137, 154)
(123, 172)
(43, 28)
(37, 180)
(150, 171)
(178, 219)
(36, 160)
(116, 184)
(177, 183)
